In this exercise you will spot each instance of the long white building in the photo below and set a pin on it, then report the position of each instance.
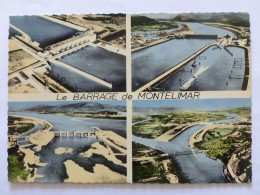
(70, 43)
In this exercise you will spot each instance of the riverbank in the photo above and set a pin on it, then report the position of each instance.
(152, 166)
(68, 24)
(112, 148)
(101, 174)
(165, 127)
(139, 44)
(84, 115)
(171, 134)
(240, 31)
(229, 143)
(38, 139)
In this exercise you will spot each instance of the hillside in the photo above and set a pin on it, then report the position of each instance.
(142, 20)
(83, 107)
(237, 19)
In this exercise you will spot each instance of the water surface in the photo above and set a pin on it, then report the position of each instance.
(96, 61)
(41, 30)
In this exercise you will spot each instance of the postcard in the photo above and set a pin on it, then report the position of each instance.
(130, 98)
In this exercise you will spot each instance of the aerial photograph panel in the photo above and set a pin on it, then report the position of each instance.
(190, 52)
(67, 53)
(57, 142)
(192, 141)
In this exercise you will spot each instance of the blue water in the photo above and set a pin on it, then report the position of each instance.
(153, 61)
(203, 29)
(41, 30)
(68, 123)
(217, 77)
(97, 61)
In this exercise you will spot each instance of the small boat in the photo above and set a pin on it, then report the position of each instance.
(194, 64)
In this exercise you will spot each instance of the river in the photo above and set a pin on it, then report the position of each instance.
(155, 60)
(55, 170)
(203, 29)
(197, 168)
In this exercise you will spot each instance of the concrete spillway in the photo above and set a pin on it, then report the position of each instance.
(87, 75)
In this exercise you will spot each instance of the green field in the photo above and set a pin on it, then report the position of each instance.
(153, 128)
(147, 170)
(143, 23)
(20, 128)
(163, 123)
(16, 168)
(159, 26)
(217, 144)
(244, 112)
(197, 116)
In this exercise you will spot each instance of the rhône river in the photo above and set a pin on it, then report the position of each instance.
(55, 170)
(197, 168)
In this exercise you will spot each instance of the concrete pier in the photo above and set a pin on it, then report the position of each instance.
(25, 35)
(75, 134)
(79, 28)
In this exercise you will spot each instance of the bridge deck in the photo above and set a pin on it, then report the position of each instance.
(75, 134)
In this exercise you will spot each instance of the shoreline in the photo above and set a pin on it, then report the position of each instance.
(39, 138)
(151, 156)
(190, 31)
(77, 174)
(227, 168)
(166, 137)
(101, 173)
(116, 117)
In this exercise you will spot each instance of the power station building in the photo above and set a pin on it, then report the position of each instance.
(70, 43)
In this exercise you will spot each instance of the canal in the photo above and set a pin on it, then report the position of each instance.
(220, 74)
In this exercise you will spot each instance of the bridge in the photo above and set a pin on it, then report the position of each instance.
(75, 134)
(87, 75)
(161, 78)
